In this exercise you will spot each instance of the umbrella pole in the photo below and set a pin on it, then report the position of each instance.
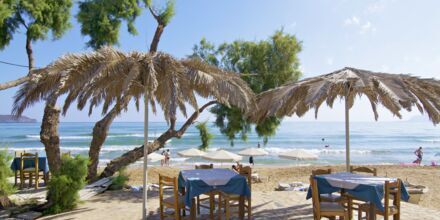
(144, 202)
(347, 130)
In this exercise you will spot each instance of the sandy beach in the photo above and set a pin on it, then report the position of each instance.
(266, 201)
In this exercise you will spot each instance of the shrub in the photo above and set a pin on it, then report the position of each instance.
(205, 136)
(5, 187)
(66, 183)
(119, 181)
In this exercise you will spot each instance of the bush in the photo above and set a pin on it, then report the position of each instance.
(119, 181)
(5, 187)
(66, 183)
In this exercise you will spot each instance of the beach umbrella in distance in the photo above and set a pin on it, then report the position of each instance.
(222, 156)
(253, 152)
(394, 91)
(192, 152)
(298, 154)
(108, 77)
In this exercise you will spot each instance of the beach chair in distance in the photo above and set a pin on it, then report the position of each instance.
(205, 196)
(366, 170)
(392, 190)
(29, 172)
(235, 199)
(17, 171)
(176, 201)
(325, 209)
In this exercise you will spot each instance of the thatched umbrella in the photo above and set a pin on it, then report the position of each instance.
(394, 92)
(108, 77)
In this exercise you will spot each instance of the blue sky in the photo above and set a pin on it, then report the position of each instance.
(392, 36)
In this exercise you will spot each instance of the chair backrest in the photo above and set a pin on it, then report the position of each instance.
(19, 152)
(247, 172)
(363, 170)
(169, 181)
(315, 195)
(204, 166)
(321, 172)
(392, 190)
(29, 157)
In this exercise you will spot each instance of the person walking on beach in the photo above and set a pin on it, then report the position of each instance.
(167, 157)
(162, 162)
(419, 154)
(258, 145)
(251, 160)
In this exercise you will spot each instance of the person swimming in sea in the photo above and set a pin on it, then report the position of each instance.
(419, 154)
(326, 145)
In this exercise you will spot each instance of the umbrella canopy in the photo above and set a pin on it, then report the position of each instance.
(192, 152)
(253, 152)
(222, 156)
(394, 92)
(109, 77)
(298, 154)
(153, 157)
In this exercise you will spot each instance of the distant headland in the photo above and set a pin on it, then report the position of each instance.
(13, 119)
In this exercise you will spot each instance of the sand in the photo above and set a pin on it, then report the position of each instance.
(266, 202)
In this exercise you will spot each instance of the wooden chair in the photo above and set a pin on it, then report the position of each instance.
(325, 209)
(366, 170)
(207, 196)
(363, 170)
(235, 199)
(29, 172)
(176, 201)
(17, 171)
(328, 197)
(392, 191)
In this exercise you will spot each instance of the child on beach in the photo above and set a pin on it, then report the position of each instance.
(167, 157)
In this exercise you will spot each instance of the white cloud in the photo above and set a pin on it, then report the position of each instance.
(352, 21)
(329, 61)
(376, 7)
(367, 27)
(363, 26)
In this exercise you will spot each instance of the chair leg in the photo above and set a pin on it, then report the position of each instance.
(396, 216)
(227, 208)
(21, 180)
(249, 209)
(198, 204)
(211, 205)
(161, 212)
(359, 214)
(37, 180)
(219, 211)
(15, 183)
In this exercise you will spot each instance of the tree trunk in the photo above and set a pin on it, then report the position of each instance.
(137, 153)
(49, 134)
(100, 131)
(30, 53)
(156, 38)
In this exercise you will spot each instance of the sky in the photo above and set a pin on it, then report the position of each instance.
(389, 35)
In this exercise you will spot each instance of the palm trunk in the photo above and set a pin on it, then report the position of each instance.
(30, 53)
(156, 38)
(49, 134)
(137, 153)
(100, 131)
(14, 83)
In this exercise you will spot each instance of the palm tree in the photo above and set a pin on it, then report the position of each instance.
(394, 92)
(113, 78)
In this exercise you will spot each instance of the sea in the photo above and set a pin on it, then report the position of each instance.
(371, 142)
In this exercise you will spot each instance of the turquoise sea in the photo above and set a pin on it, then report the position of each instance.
(371, 142)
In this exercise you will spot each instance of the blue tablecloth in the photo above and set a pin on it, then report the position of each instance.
(194, 185)
(42, 164)
(363, 187)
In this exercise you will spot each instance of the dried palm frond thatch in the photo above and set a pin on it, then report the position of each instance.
(394, 91)
(107, 76)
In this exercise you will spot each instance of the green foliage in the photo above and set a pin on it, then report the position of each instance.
(66, 183)
(265, 65)
(119, 181)
(101, 20)
(205, 136)
(37, 17)
(5, 187)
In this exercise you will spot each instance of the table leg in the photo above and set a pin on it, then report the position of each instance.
(241, 207)
(211, 205)
(372, 214)
(193, 210)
